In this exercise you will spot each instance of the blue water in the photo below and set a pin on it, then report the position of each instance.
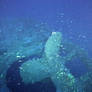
(75, 15)
(32, 21)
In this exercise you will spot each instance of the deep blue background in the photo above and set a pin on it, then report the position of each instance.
(72, 17)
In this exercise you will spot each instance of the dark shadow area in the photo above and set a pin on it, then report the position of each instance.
(15, 84)
(76, 67)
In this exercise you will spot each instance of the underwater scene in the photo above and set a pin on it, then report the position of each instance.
(45, 45)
